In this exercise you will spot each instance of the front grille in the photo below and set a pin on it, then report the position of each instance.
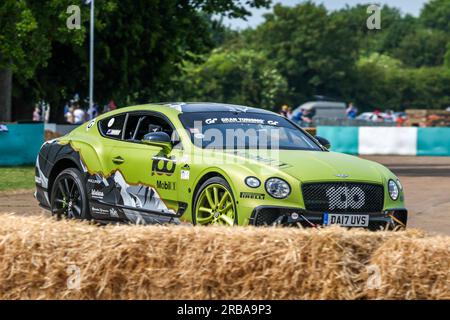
(343, 197)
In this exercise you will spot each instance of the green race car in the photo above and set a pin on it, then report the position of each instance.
(208, 163)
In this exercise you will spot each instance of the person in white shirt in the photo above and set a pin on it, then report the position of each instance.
(79, 115)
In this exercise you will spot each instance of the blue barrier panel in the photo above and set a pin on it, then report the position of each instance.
(433, 142)
(20, 144)
(343, 139)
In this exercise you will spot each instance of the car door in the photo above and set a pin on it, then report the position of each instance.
(101, 187)
(146, 178)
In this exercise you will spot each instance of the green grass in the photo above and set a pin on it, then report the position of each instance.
(13, 178)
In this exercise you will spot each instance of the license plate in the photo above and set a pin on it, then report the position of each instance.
(346, 220)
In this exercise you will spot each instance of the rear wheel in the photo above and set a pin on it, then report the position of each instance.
(214, 204)
(69, 196)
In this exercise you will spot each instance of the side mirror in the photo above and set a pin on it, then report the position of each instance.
(158, 139)
(324, 142)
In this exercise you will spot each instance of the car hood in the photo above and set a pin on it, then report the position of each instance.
(310, 166)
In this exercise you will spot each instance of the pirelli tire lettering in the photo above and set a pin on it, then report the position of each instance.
(251, 195)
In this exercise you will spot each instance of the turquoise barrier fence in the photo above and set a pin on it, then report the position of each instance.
(20, 144)
(343, 139)
(423, 142)
(433, 142)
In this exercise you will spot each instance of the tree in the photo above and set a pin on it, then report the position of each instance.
(140, 44)
(27, 31)
(384, 82)
(394, 27)
(424, 47)
(240, 77)
(312, 49)
(435, 15)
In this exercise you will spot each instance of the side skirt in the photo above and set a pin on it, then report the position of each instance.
(158, 217)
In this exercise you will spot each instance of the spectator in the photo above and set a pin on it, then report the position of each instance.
(66, 108)
(351, 111)
(109, 107)
(307, 118)
(289, 113)
(298, 116)
(377, 117)
(46, 111)
(37, 114)
(400, 121)
(303, 118)
(92, 112)
(284, 111)
(79, 115)
(112, 105)
(389, 116)
(69, 115)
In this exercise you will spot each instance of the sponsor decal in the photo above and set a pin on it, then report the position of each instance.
(113, 132)
(185, 174)
(345, 198)
(96, 194)
(111, 122)
(94, 181)
(113, 213)
(242, 120)
(100, 211)
(211, 121)
(163, 166)
(252, 195)
(90, 125)
(268, 161)
(166, 185)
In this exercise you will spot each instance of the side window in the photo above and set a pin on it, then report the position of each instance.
(138, 125)
(112, 127)
(132, 123)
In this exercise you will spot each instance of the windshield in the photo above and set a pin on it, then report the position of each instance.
(229, 130)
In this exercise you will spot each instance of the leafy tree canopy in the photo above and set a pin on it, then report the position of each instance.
(240, 76)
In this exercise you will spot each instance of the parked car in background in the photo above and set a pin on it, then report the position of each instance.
(375, 117)
(323, 109)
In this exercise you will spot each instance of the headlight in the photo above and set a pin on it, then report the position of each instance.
(399, 185)
(278, 188)
(252, 182)
(393, 190)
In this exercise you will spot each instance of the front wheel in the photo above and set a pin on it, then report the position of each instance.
(214, 204)
(69, 197)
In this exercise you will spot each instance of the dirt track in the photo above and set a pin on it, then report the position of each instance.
(426, 181)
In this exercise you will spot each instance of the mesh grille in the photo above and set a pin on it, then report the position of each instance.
(343, 197)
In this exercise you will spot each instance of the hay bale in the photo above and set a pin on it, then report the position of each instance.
(41, 258)
(413, 269)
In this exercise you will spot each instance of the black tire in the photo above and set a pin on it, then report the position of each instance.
(69, 196)
(213, 180)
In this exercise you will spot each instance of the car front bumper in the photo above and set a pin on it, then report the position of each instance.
(391, 219)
